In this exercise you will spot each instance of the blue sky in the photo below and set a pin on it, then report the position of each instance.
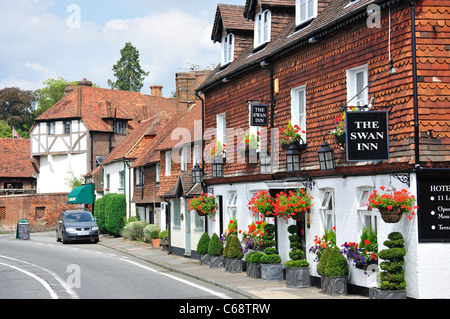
(76, 39)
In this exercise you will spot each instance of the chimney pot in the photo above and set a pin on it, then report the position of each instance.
(156, 90)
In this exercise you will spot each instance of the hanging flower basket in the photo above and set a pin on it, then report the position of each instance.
(262, 203)
(204, 205)
(391, 215)
(292, 135)
(292, 205)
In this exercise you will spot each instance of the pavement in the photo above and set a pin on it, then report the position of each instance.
(235, 282)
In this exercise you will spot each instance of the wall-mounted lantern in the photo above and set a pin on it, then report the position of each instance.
(197, 174)
(217, 169)
(326, 156)
(293, 159)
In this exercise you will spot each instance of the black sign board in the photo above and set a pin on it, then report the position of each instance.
(434, 206)
(367, 134)
(23, 229)
(259, 114)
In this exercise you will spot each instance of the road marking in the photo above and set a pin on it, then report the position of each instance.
(53, 292)
(218, 294)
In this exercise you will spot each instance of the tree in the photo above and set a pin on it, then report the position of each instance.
(128, 72)
(16, 107)
(5, 130)
(52, 92)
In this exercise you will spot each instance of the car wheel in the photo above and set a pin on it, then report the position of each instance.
(64, 240)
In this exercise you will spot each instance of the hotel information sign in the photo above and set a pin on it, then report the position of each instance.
(367, 134)
(434, 206)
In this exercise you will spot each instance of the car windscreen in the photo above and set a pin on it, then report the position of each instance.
(78, 217)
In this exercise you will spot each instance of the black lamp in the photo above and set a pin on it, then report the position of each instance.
(293, 159)
(217, 169)
(326, 157)
(197, 174)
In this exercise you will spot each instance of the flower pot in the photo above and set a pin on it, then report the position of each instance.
(299, 216)
(156, 242)
(376, 293)
(334, 286)
(298, 277)
(216, 261)
(391, 215)
(298, 146)
(233, 265)
(340, 139)
(205, 259)
(254, 270)
(272, 272)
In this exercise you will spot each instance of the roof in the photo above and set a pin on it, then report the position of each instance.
(95, 105)
(333, 13)
(15, 160)
(230, 18)
(251, 6)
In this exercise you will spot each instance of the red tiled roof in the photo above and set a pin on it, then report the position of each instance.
(231, 18)
(91, 105)
(15, 160)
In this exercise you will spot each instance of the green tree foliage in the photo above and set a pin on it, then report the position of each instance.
(128, 72)
(16, 108)
(5, 129)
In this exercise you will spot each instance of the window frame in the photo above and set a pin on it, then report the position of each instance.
(227, 48)
(67, 127)
(168, 161)
(298, 11)
(232, 205)
(353, 98)
(297, 117)
(51, 126)
(328, 209)
(262, 30)
(221, 128)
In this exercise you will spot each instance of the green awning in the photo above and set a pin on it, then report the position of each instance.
(83, 194)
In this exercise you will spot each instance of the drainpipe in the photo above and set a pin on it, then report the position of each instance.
(265, 65)
(202, 148)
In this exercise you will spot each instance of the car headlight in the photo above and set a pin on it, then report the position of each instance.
(94, 228)
(70, 229)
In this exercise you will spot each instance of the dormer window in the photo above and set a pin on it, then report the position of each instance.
(227, 48)
(305, 10)
(262, 27)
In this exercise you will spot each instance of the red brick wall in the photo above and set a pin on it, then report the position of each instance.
(39, 209)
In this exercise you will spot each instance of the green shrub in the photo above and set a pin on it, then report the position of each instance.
(215, 246)
(297, 263)
(154, 234)
(133, 230)
(270, 250)
(233, 248)
(248, 256)
(332, 263)
(100, 212)
(323, 262)
(270, 259)
(116, 210)
(164, 234)
(271, 255)
(147, 231)
(202, 245)
(393, 275)
(256, 257)
(296, 254)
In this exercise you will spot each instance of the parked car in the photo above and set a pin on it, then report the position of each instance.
(77, 225)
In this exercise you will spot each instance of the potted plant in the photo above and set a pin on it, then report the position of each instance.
(321, 243)
(253, 238)
(154, 236)
(292, 205)
(262, 203)
(333, 269)
(393, 283)
(253, 264)
(297, 269)
(393, 204)
(233, 255)
(271, 266)
(250, 144)
(215, 250)
(292, 135)
(164, 236)
(339, 131)
(364, 253)
(203, 204)
(202, 248)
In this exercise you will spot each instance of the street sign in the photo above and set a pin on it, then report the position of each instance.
(23, 229)
(259, 114)
(367, 134)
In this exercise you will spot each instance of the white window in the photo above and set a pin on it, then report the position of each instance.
(158, 173)
(168, 163)
(227, 48)
(327, 209)
(184, 156)
(232, 205)
(262, 27)
(357, 90)
(369, 217)
(221, 124)
(298, 108)
(196, 154)
(121, 179)
(305, 10)
(139, 176)
(51, 128)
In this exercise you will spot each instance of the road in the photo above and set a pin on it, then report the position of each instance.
(41, 268)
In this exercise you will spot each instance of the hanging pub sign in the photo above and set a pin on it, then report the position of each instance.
(434, 206)
(367, 134)
(259, 114)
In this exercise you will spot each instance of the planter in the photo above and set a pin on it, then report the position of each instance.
(272, 272)
(299, 216)
(233, 265)
(391, 215)
(156, 242)
(334, 286)
(299, 146)
(254, 270)
(376, 293)
(340, 139)
(216, 261)
(205, 259)
(298, 277)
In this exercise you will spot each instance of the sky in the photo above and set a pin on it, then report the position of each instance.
(77, 39)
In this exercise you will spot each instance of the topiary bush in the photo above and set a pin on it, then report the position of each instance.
(393, 274)
(215, 246)
(202, 245)
(336, 264)
(116, 210)
(271, 255)
(233, 248)
(296, 254)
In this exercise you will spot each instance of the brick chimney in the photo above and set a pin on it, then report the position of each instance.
(85, 83)
(156, 90)
(186, 83)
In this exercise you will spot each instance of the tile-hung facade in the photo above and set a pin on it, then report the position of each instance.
(309, 61)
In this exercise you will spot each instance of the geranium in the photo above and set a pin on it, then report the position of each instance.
(393, 199)
(250, 142)
(292, 204)
(340, 125)
(320, 243)
(232, 229)
(253, 238)
(204, 204)
(262, 203)
(291, 134)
